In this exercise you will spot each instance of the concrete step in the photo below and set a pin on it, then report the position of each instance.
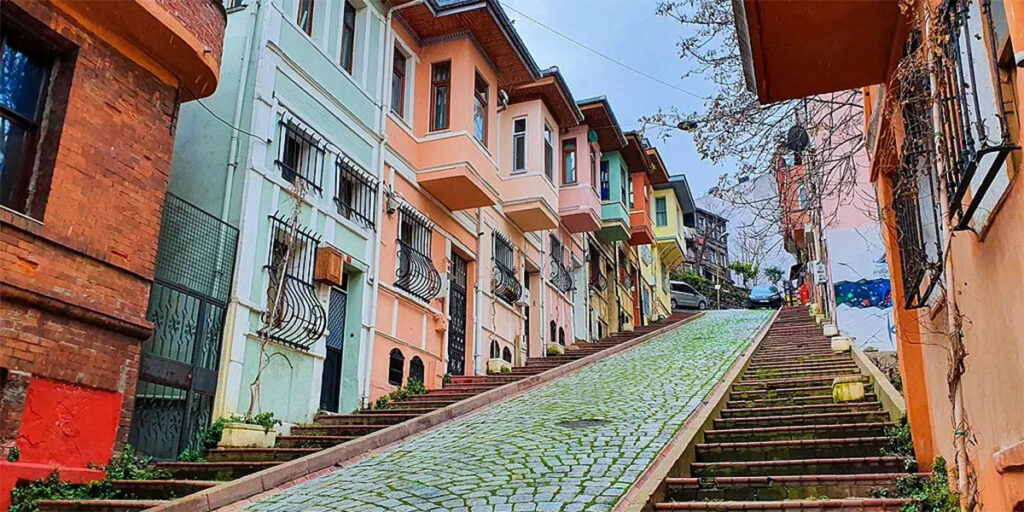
(768, 374)
(381, 417)
(751, 412)
(802, 419)
(96, 505)
(757, 361)
(257, 454)
(845, 505)
(335, 430)
(418, 409)
(161, 489)
(791, 449)
(778, 487)
(749, 385)
(213, 470)
(795, 392)
(827, 363)
(314, 441)
(791, 400)
(829, 431)
(830, 466)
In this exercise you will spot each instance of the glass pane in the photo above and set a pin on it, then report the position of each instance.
(520, 125)
(479, 113)
(441, 107)
(24, 80)
(12, 155)
(520, 152)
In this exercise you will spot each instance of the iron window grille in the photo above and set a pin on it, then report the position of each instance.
(561, 278)
(974, 144)
(356, 196)
(301, 155)
(503, 276)
(416, 369)
(597, 279)
(914, 195)
(300, 320)
(415, 273)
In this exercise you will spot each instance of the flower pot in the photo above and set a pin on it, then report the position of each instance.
(496, 366)
(841, 344)
(245, 435)
(830, 330)
(847, 389)
(555, 347)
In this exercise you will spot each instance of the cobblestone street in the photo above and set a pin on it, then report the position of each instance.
(575, 444)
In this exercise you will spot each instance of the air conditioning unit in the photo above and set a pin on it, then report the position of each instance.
(524, 298)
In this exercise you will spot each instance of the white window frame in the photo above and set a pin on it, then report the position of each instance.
(525, 138)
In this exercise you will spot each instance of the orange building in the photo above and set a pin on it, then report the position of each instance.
(951, 203)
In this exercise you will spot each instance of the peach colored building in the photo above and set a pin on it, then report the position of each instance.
(952, 206)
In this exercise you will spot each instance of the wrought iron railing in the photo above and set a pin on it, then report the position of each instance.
(356, 195)
(300, 155)
(300, 319)
(598, 282)
(974, 140)
(416, 273)
(504, 283)
(561, 278)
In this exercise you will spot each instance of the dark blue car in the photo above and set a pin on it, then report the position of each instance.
(764, 296)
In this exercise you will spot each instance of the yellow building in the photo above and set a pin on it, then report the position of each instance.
(672, 201)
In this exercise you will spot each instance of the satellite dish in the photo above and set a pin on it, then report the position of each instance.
(797, 139)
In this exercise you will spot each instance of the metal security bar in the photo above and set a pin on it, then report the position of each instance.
(971, 139)
(300, 319)
(301, 155)
(598, 281)
(356, 195)
(416, 273)
(196, 249)
(503, 278)
(561, 278)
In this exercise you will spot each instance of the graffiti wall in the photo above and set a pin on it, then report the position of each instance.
(862, 288)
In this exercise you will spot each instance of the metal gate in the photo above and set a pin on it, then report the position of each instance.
(457, 317)
(187, 305)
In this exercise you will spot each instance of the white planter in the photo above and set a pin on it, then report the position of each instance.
(830, 330)
(496, 366)
(244, 435)
(560, 349)
(841, 344)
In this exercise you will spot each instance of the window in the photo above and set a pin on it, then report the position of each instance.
(305, 16)
(549, 153)
(297, 317)
(519, 145)
(561, 336)
(554, 332)
(396, 367)
(440, 91)
(801, 192)
(593, 169)
(605, 185)
(629, 191)
(416, 369)
(506, 355)
(398, 83)
(32, 81)
(480, 109)
(622, 182)
(503, 282)
(301, 155)
(568, 162)
(357, 192)
(660, 211)
(348, 36)
(495, 349)
(557, 250)
(414, 231)
(503, 253)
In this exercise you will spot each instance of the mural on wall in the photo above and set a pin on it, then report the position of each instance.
(866, 293)
(863, 291)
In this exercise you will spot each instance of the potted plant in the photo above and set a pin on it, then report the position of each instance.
(249, 432)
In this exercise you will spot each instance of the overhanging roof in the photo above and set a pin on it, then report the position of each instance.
(681, 189)
(659, 173)
(553, 91)
(635, 155)
(597, 113)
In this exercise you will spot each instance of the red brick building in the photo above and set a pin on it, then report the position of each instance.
(88, 105)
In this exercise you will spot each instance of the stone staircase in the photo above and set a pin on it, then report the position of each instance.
(781, 444)
(327, 430)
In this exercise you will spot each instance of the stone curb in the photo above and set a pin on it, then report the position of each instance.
(683, 444)
(342, 454)
(892, 401)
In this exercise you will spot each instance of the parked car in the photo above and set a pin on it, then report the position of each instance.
(684, 296)
(764, 296)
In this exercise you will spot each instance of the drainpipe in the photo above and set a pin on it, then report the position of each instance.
(237, 116)
(478, 295)
(385, 106)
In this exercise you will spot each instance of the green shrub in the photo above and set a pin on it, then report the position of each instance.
(13, 454)
(928, 494)
(24, 498)
(412, 388)
(901, 444)
(127, 466)
(553, 350)
(192, 456)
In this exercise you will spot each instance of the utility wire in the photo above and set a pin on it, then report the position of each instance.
(196, 99)
(602, 55)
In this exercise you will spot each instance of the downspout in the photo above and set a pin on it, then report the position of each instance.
(385, 105)
(478, 295)
(236, 118)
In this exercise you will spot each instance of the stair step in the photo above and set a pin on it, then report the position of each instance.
(802, 419)
(335, 430)
(791, 400)
(778, 487)
(783, 392)
(829, 431)
(750, 385)
(321, 442)
(161, 489)
(749, 412)
(790, 449)
(792, 374)
(257, 454)
(213, 470)
(96, 505)
(827, 363)
(822, 466)
(383, 417)
(846, 505)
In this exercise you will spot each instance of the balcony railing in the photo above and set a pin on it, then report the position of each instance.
(356, 196)
(973, 137)
(561, 278)
(504, 283)
(300, 319)
(416, 274)
(598, 282)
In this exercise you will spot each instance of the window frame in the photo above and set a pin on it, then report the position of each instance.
(606, 180)
(549, 152)
(594, 158)
(435, 85)
(566, 153)
(393, 356)
(399, 73)
(663, 211)
(520, 136)
(348, 35)
(481, 94)
(306, 26)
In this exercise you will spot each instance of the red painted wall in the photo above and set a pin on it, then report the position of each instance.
(67, 424)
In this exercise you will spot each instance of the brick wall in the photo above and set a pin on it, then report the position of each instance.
(76, 285)
(204, 18)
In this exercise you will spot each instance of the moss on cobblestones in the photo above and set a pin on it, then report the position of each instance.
(514, 456)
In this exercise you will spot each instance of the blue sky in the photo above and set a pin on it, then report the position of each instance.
(629, 31)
